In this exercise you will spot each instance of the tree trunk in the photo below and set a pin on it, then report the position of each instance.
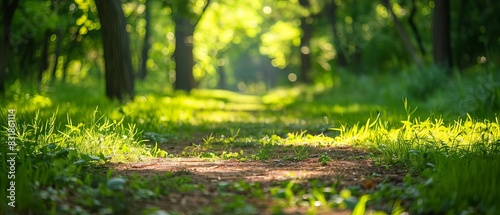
(220, 70)
(183, 54)
(73, 45)
(142, 71)
(9, 8)
(463, 15)
(305, 44)
(441, 38)
(414, 28)
(118, 62)
(404, 36)
(57, 52)
(305, 50)
(331, 12)
(222, 77)
(26, 61)
(54, 6)
(44, 58)
(269, 72)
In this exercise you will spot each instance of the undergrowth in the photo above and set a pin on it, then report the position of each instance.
(450, 145)
(458, 161)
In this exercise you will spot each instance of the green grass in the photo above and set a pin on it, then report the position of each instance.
(459, 159)
(450, 146)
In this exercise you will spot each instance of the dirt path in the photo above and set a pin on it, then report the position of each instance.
(348, 166)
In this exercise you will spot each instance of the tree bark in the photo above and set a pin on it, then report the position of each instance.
(441, 37)
(142, 71)
(183, 54)
(9, 8)
(118, 62)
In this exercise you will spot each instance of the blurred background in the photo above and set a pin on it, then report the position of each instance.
(248, 46)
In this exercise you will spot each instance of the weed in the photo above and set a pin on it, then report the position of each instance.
(264, 153)
(324, 159)
(301, 152)
(432, 145)
(62, 143)
(209, 140)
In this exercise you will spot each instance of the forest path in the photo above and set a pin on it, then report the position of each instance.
(349, 167)
(262, 146)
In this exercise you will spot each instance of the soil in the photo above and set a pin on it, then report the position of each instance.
(349, 167)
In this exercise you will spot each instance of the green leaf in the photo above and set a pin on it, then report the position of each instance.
(116, 183)
(78, 162)
(51, 146)
(94, 158)
(360, 208)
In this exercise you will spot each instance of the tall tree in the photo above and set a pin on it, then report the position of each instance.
(54, 5)
(305, 42)
(8, 9)
(183, 54)
(142, 71)
(404, 35)
(185, 22)
(441, 37)
(413, 25)
(118, 62)
(44, 58)
(331, 13)
(222, 75)
(475, 24)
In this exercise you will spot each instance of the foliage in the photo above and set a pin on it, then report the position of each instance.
(69, 137)
(52, 158)
(61, 152)
(431, 145)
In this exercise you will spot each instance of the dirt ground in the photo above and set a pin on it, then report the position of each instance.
(348, 166)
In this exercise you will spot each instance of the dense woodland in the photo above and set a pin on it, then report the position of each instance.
(405, 91)
(226, 44)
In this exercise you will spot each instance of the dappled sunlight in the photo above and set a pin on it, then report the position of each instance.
(229, 170)
(249, 107)
(222, 136)
(282, 96)
(32, 103)
(354, 109)
(225, 95)
(462, 135)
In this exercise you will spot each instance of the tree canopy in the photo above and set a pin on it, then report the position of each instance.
(59, 40)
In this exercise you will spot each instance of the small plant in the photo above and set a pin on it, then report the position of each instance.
(234, 134)
(263, 153)
(231, 155)
(324, 159)
(208, 140)
(61, 152)
(301, 152)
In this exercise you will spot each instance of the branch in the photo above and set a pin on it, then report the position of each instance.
(414, 28)
(404, 36)
(205, 8)
(202, 12)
